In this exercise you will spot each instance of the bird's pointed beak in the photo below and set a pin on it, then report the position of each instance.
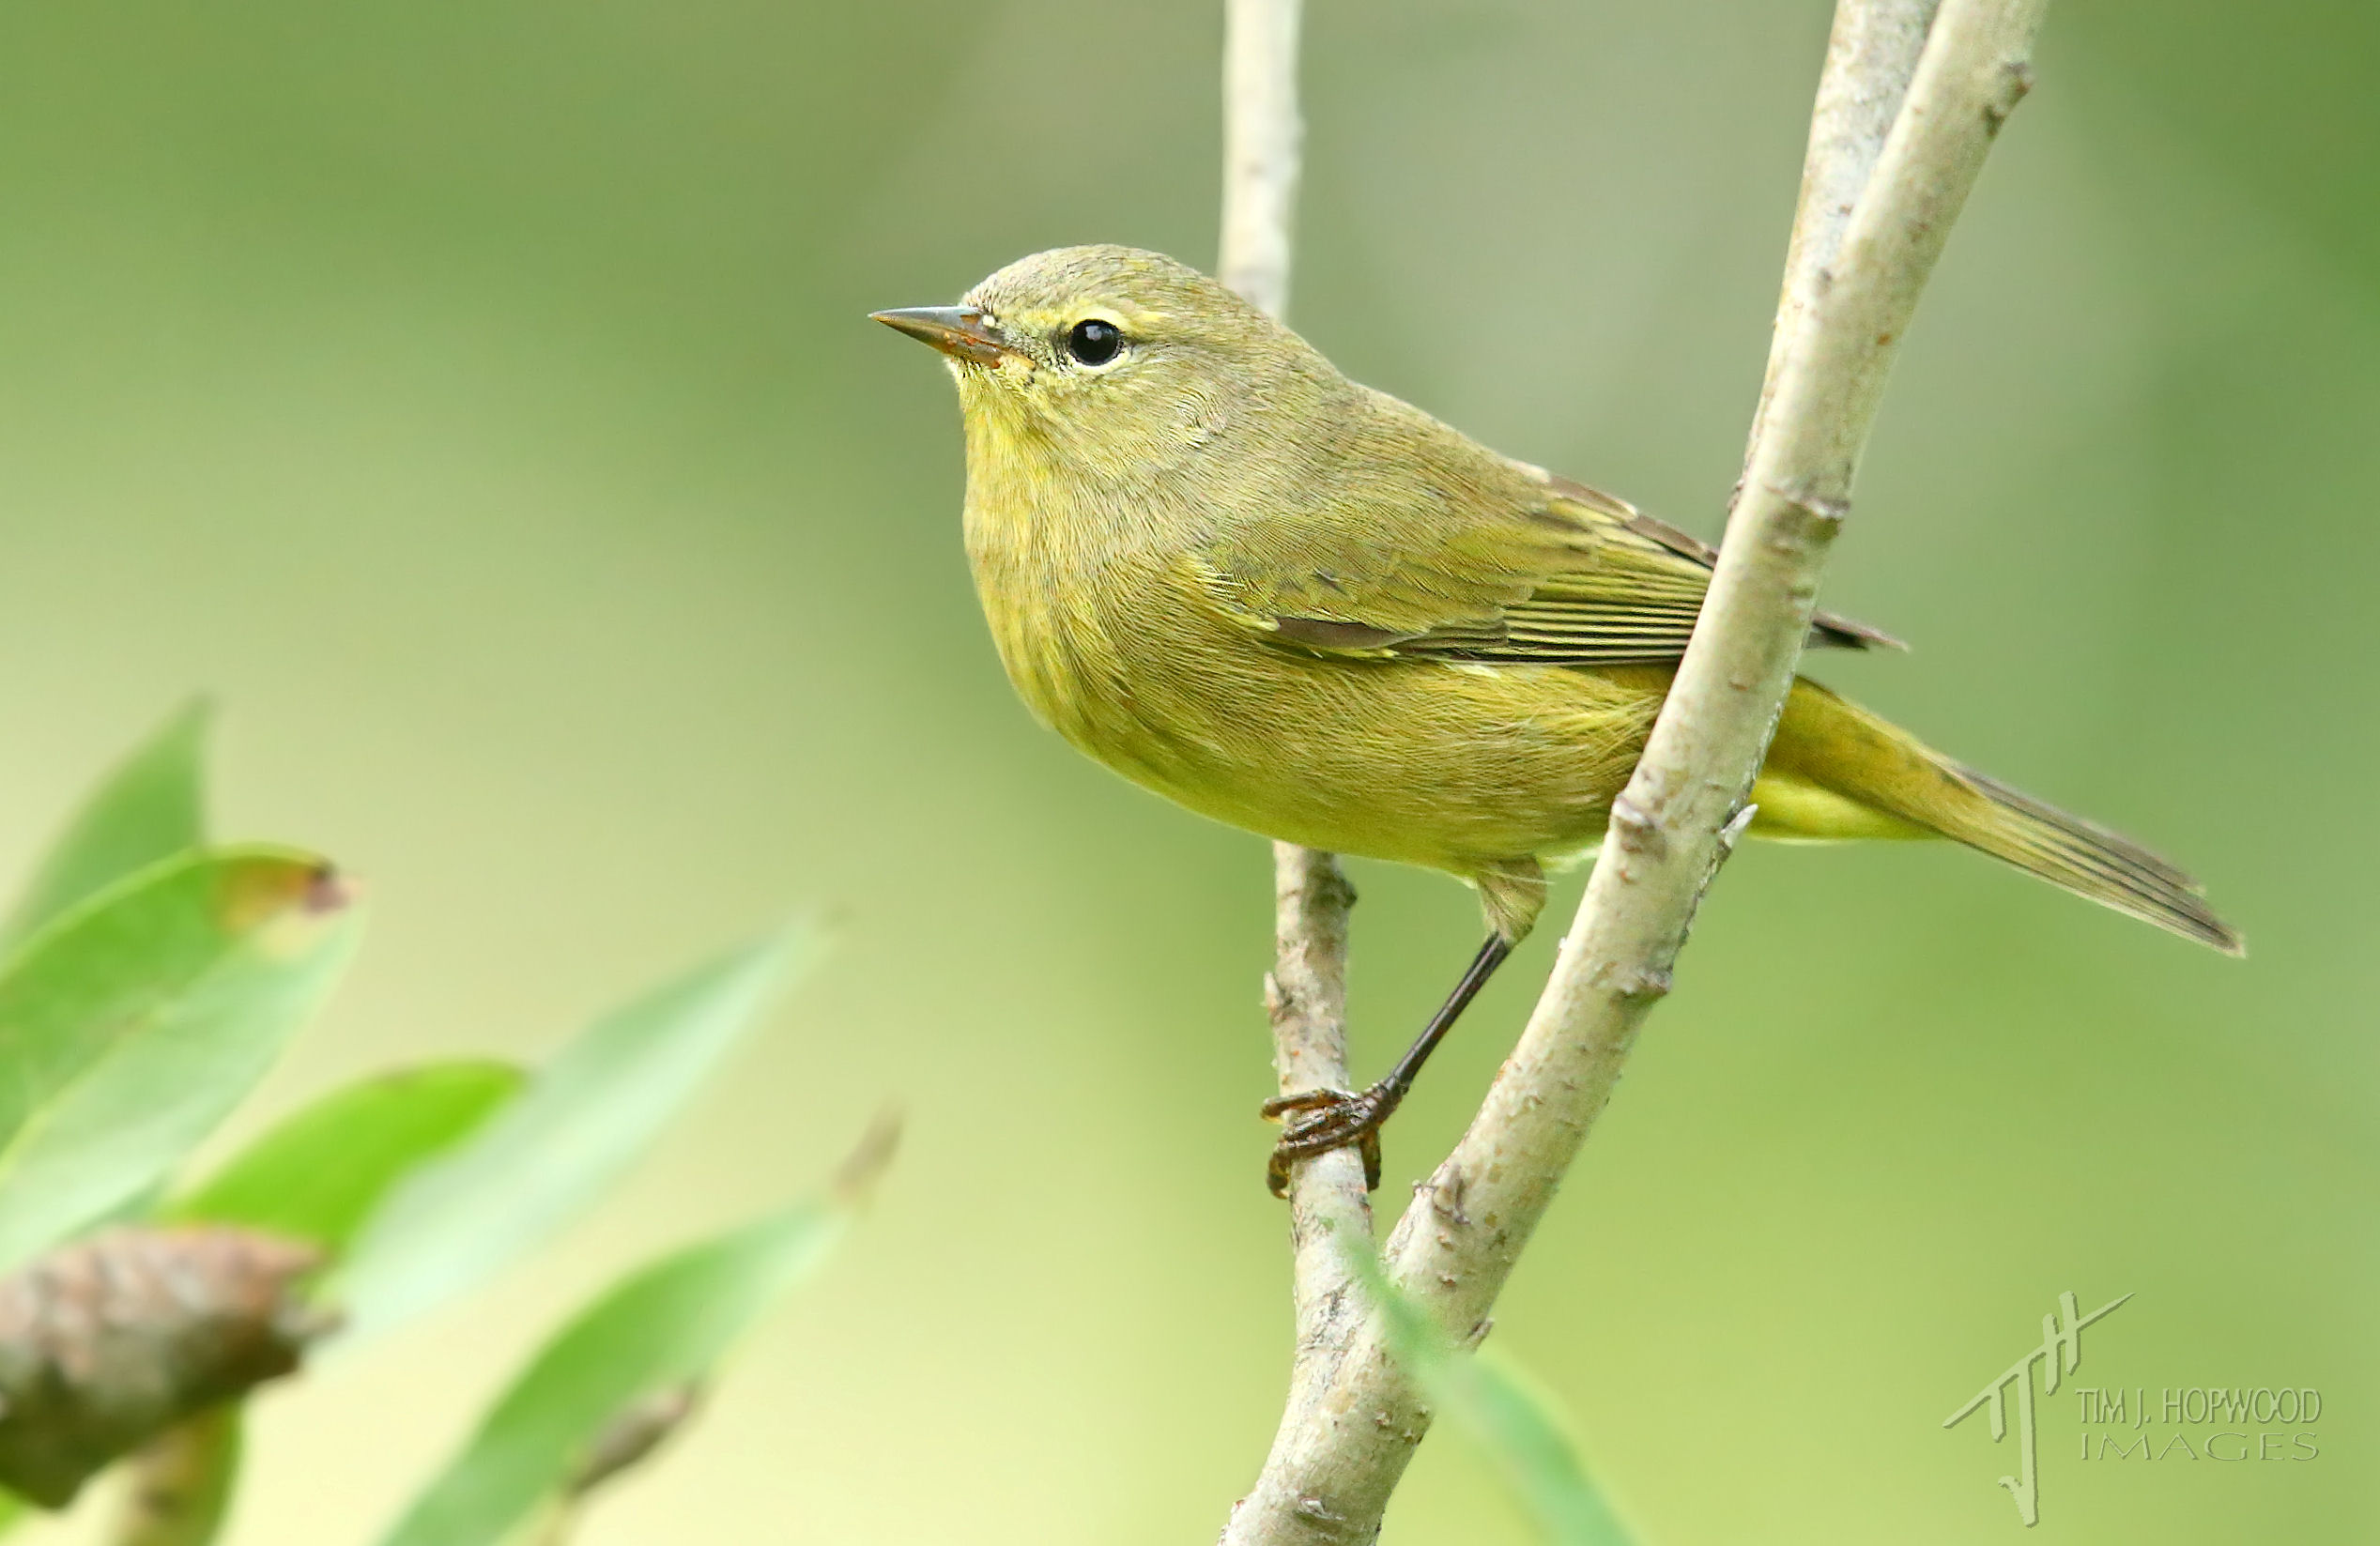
(961, 332)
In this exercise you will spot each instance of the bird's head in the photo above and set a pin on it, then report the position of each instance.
(1113, 356)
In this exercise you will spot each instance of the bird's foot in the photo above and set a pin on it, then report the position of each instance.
(1323, 1119)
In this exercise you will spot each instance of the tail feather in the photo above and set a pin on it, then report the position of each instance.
(2088, 859)
(1862, 758)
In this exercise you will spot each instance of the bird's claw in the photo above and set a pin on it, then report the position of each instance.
(1323, 1119)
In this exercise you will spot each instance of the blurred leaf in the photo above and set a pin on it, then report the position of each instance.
(1504, 1412)
(13, 1511)
(1515, 1420)
(150, 807)
(629, 1437)
(131, 1025)
(584, 1118)
(634, 1354)
(318, 1175)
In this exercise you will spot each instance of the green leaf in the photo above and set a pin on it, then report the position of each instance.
(1511, 1420)
(1515, 1420)
(131, 1024)
(584, 1118)
(13, 1511)
(150, 807)
(642, 1346)
(319, 1174)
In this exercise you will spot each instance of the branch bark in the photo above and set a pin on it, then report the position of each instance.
(1262, 136)
(1906, 113)
(1871, 56)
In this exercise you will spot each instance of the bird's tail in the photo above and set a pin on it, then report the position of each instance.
(1837, 770)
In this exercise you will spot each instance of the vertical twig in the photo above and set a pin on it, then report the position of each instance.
(1262, 134)
(1848, 295)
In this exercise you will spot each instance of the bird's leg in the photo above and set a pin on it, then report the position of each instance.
(1333, 1119)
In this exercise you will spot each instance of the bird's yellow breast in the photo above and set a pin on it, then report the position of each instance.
(1111, 640)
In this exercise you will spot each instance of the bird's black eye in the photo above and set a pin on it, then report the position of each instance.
(1092, 342)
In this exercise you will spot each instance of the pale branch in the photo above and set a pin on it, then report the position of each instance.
(1871, 53)
(1262, 134)
(1329, 1205)
(1343, 1447)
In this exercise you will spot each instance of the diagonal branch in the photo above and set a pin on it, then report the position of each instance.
(1852, 286)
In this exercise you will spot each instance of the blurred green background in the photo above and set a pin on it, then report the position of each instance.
(479, 399)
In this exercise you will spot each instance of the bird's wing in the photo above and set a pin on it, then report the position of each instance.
(1569, 576)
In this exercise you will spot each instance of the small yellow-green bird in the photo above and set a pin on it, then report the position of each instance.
(1301, 606)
